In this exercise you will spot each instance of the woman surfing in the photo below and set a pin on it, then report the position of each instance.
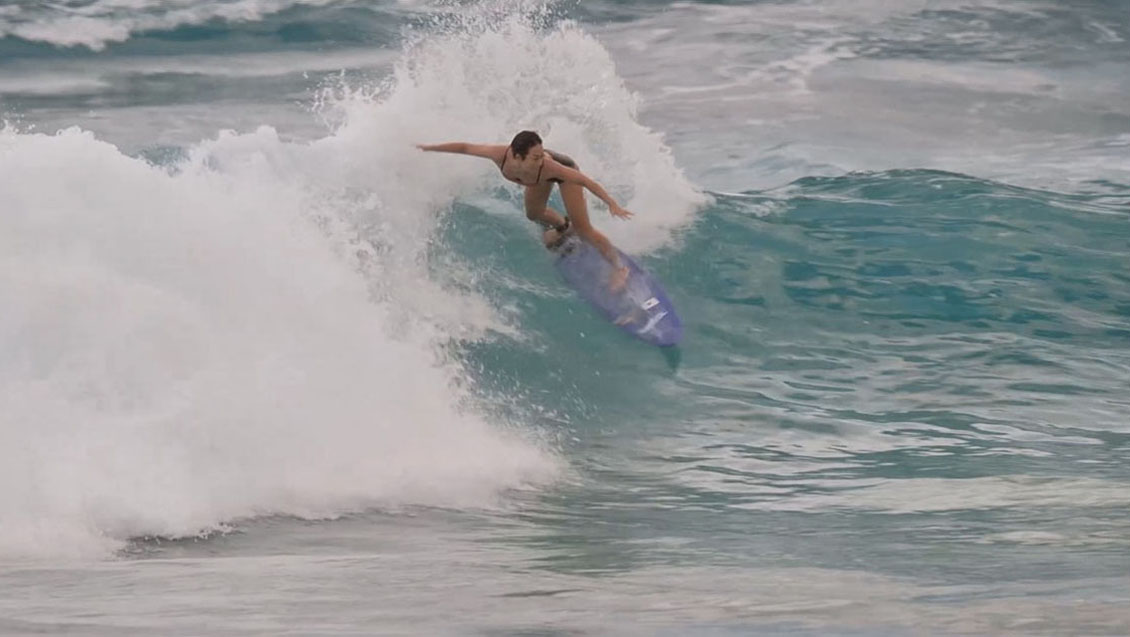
(527, 163)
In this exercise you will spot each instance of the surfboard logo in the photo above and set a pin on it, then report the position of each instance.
(652, 322)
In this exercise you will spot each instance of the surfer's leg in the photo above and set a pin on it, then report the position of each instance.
(536, 210)
(574, 197)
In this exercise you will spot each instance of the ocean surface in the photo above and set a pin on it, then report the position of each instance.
(265, 368)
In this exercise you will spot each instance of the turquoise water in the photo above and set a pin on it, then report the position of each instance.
(267, 369)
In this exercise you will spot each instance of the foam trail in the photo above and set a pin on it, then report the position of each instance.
(181, 350)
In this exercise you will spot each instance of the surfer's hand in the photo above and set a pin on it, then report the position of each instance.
(617, 211)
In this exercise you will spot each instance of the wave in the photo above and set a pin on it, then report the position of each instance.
(102, 22)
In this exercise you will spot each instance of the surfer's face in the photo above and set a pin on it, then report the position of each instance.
(534, 156)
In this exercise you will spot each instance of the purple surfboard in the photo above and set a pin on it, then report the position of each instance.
(641, 308)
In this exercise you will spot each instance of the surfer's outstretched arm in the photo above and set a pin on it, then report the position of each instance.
(490, 151)
(572, 175)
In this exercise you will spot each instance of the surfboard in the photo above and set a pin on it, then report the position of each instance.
(641, 308)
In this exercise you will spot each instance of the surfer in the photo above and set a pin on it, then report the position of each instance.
(527, 163)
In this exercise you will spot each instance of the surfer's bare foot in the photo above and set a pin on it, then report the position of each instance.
(549, 237)
(618, 279)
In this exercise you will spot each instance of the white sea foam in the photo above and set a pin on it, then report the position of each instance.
(181, 350)
(483, 81)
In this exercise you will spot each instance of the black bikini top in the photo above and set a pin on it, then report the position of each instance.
(514, 179)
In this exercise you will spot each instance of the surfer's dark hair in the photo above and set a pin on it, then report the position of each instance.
(523, 142)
